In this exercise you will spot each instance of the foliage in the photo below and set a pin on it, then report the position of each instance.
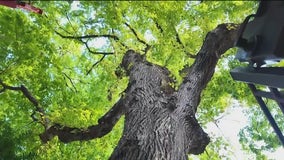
(259, 136)
(222, 88)
(54, 69)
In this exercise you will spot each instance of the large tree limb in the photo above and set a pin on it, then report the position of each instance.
(69, 134)
(216, 43)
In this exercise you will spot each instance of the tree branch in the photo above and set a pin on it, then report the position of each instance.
(93, 52)
(88, 36)
(216, 43)
(79, 38)
(159, 27)
(104, 126)
(70, 80)
(7, 68)
(31, 98)
(177, 39)
(69, 21)
(183, 47)
(95, 64)
(61, 28)
(139, 39)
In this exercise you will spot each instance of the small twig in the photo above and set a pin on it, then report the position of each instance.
(95, 64)
(9, 66)
(159, 26)
(70, 22)
(61, 28)
(117, 40)
(208, 155)
(219, 118)
(183, 47)
(139, 39)
(33, 117)
(178, 39)
(70, 80)
(135, 33)
(8, 87)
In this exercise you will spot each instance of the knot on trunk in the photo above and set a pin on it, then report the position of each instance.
(197, 138)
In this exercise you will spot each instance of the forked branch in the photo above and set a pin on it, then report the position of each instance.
(80, 38)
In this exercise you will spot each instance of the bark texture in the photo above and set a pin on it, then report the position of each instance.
(160, 122)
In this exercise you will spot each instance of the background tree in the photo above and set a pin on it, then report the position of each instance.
(62, 71)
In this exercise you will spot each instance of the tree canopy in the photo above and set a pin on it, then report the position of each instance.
(63, 67)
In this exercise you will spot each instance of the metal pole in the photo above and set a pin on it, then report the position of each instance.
(267, 114)
(277, 96)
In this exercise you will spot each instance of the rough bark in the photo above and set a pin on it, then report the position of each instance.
(68, 134)
(160, 122)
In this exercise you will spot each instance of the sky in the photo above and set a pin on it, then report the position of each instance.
(230, 124)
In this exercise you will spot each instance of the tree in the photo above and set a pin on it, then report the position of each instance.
(45, 61)
(160, 122)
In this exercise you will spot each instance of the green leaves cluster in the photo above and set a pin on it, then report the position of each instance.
(259, 136)
(54, 70)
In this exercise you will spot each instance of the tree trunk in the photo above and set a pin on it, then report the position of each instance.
(160, 122)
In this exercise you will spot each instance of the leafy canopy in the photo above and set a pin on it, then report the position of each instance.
(74, 79)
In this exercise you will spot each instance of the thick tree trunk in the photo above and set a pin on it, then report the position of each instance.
(160, 122)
